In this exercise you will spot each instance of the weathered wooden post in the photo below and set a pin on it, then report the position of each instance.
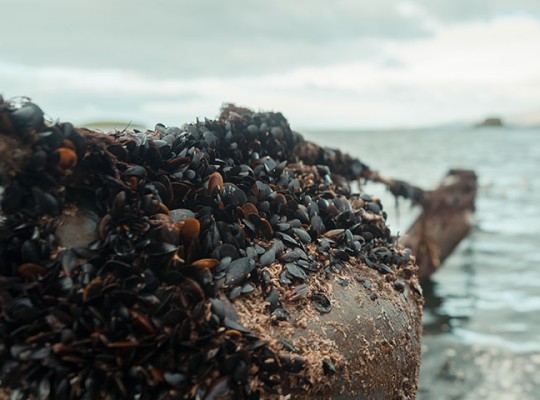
(446, 219)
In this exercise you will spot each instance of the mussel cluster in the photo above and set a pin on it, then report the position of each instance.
(187, 220)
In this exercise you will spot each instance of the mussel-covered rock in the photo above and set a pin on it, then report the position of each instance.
(200, 262)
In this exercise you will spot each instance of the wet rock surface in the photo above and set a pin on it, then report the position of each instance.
(188, 262)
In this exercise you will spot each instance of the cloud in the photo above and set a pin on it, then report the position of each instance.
(459, 11)
(172, 38)
(344, 63)
(461, 73)
(214, 38)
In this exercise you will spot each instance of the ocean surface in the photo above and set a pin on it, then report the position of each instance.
(482, 311)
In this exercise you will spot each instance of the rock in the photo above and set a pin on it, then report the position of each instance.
(490, 123)
(174, 285)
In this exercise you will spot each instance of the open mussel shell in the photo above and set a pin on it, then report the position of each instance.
(206, 263)
(188, 229)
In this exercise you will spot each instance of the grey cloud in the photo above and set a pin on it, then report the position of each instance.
(205, 38)
(180, 39)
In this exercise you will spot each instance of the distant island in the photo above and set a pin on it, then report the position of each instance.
(490, 122)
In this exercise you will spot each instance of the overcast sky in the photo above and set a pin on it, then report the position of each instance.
(342, 64)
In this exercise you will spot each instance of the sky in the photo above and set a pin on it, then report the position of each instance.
(339, 64)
